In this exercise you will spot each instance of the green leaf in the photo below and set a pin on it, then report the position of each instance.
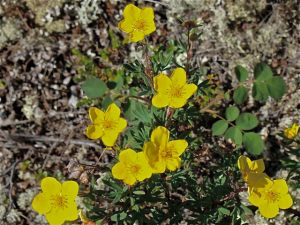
(253, 143)
(118, 216)
(139, 193)
(232, 113)
(247, 121)
(276, 87)
(262, 72)
(219, 127)
(241, 73)
(240, 95)
(224, 211)
(94, 87)
(235, 134)
(260, 91)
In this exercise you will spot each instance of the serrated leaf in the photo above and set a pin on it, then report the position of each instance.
(247, 121)
(262, 72)
(241, 73)
(234, 134)
(94, 87)
(232, 113)
(219, 127)
(276, 87)
(253, 143)
(260, 91)
(240, 95)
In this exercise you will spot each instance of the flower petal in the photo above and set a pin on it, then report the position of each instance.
(257, 166)
(96, 115)
(151, 152)
(149, 27)
(269, 210)
(285, 201)
(178, 77)
(177, 146)
(70, 189)
(55, 217)
(254, 198)
(126, 26)
(177, 102)
(173, 163)
(257, 180)
(109, 138)
(122, 124)
(94, 132)
(147, 13)
(136, 35)
(128, 156)
(189, 90)
(160, 136)
(160, 100)
(159, 166)
(41, 203)
(129, 179)
(280, 186)
(112, 112)
(119, 171)
(242, 163)
(50, 186)
(131, 12)
(162, 83)
(71, 212)
(145, 170)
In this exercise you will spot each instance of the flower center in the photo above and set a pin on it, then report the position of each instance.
(140, 25)
(272, 196)
(166, 153)
(59, 201)
(176, 92)
(108, 124)
(135, 168)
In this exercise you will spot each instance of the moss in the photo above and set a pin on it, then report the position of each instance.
(10, 31)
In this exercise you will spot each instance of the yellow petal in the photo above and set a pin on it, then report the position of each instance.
(177, 102)
(96, 115)
(151, 152)
(136, 35)
(177, 146)
(285, 201)
(149, 27)
(189, 90)
(41, 203)
(55, 217)
(131, 12)
(129, 179)
(50, 186)
(126, 26)
(160, 100)
(159, 166)
(128, 156)
(70, 189)
(122, 124)
(109, 138)
(162, 84)
(71, 212)
(145, 170)
(173, 163)
(112, 112)
(94, 132)
(160, 136)
(119, 171)
(257, 180)
(257, 166)
(269, 210)
(147, 13)
(280, 186)
(242, 163)
(178, 77)
(254, 198)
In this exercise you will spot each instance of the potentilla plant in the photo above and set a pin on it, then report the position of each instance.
(164, 168)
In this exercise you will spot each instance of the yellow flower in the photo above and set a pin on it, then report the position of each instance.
(106, 125)
(161, 153)
(252, 171)
(137, 22)
(291, 132)
(132, 167)
(271, 198)
(57, 201)
(172, 91)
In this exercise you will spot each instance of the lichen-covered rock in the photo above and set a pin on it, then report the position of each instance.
(10, 31)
